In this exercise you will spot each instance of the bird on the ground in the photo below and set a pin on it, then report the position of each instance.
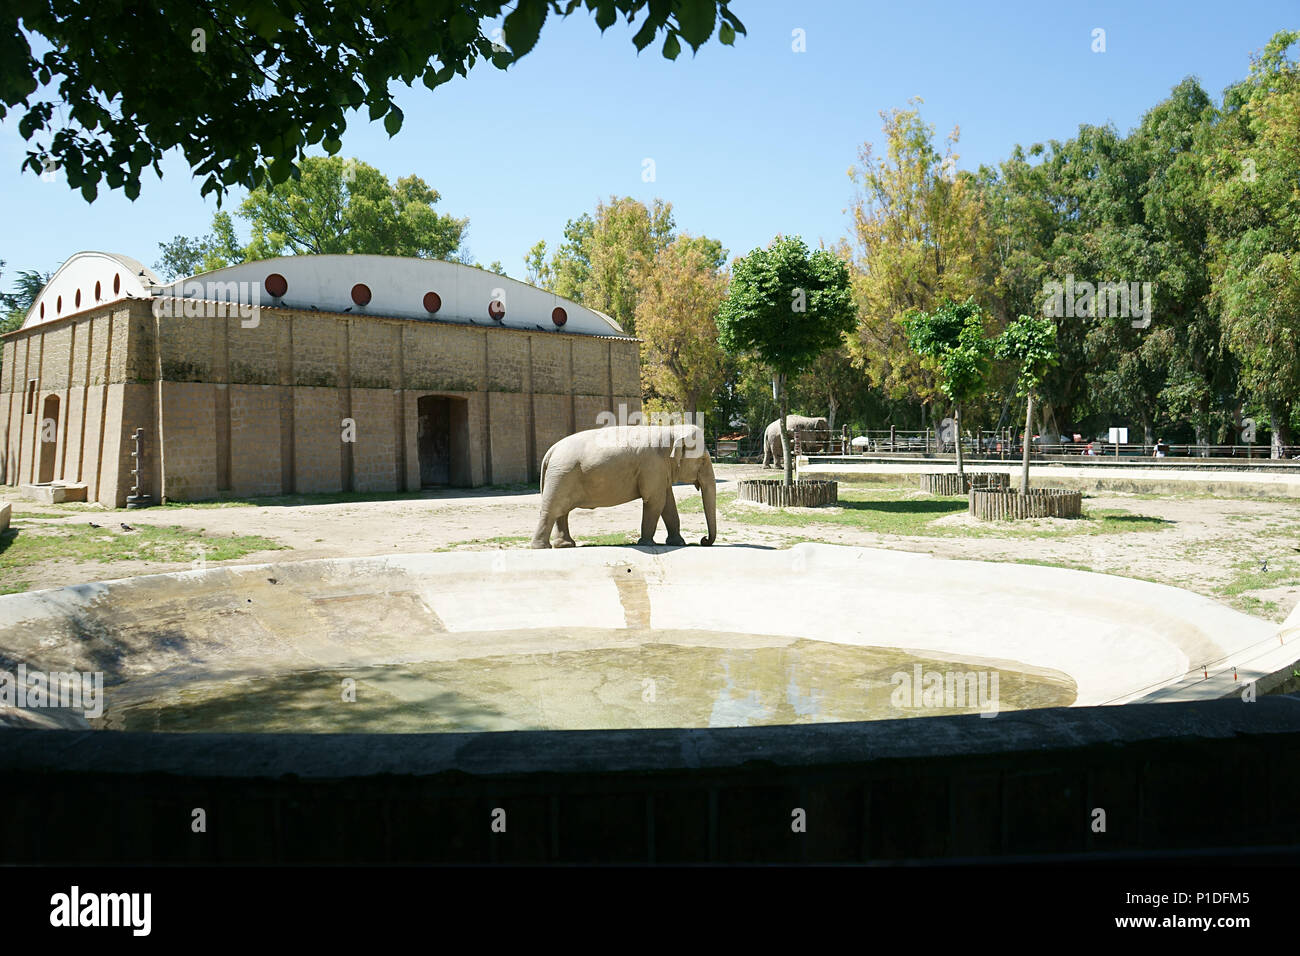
(126, 527)
(92, 524)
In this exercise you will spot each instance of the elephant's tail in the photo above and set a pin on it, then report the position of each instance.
(546, 459)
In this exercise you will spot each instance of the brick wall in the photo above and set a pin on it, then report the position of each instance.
(258, 409)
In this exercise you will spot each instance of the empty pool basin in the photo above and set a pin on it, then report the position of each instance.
(618, 637)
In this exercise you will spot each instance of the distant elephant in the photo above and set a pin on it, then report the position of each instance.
(604, 467)
(793, 423)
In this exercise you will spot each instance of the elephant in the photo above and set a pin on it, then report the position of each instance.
(604, 467)
(793, 423)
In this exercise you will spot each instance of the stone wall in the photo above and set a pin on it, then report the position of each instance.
(256, 407)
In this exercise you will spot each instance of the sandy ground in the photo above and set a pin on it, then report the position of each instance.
(1210, 543)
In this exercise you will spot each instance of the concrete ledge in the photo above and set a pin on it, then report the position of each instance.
(1170, 777)
(53, 492)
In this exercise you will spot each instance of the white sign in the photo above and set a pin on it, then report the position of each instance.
(1119, 436)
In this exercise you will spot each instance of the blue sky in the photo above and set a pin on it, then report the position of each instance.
(747, 141)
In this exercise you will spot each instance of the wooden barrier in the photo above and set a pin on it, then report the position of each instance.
(1039, 503)
(948, 483)
(804, 493)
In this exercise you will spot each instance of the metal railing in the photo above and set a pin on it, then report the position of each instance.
(1004, 444)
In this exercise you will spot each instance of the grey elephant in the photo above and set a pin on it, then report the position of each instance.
(604, 467)
(793, 423)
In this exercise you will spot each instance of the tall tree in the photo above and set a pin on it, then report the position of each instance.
(675, 316)
(1255, 168)
(251, 85)
(920, 235)
(786, 306)
(603, 256)
(336, 206)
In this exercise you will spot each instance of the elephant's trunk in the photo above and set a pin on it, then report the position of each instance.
(709, 492)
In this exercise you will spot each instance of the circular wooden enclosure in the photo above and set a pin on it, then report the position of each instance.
(804, 493)
(949, 483)
(1038, 503)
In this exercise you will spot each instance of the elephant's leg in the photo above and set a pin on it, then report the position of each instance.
(673, 521)
(565, 540)
(652, 506)
(542, 536)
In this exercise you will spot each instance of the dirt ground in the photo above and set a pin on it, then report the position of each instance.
(1243, 552)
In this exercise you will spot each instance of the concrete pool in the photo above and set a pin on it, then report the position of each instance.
(603, 638)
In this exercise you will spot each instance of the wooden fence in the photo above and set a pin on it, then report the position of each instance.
(1039, 503)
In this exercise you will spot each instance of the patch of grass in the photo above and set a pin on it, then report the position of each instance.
(163, 544)
(1249, 576)
(23, 515)
(1256, 606)
(906, 513)
(1113, 520)
(500, 541)
(611, 539)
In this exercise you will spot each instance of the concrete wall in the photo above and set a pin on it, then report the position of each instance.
(1172, 779)
(262, 408)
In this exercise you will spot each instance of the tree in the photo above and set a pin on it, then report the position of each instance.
(952, 339)
(335, 206)
(186, 257)
(1030, 342)
(249, 86)
(1254, 165)
(18, 302)
(920, 234)
(603, 256)
(787, 307)
(679, 298)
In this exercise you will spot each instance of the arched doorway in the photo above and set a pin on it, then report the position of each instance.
(443, 436)
(47, 434)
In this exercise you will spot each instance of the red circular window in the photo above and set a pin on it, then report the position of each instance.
(559, 316)
(497, 310)
(432, 302)
(117, 284)
(78, 299)
(361, 294)
(97, 295)
(58, 304)
(276, 285)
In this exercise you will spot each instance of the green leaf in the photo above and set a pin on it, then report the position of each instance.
(393, 121)
(671, 46)
(645, 34)
(524, 25)
(726, 34)
(695, 20)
